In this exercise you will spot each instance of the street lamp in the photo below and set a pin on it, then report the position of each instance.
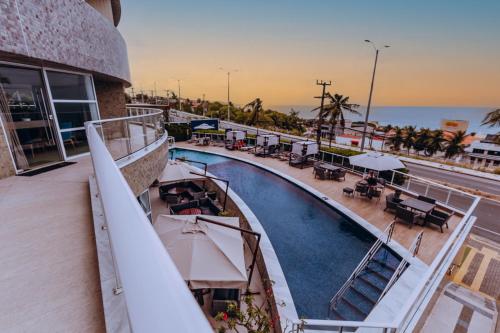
(371, 90)
(228, 85)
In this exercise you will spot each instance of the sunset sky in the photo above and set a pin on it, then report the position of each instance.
(443, 53)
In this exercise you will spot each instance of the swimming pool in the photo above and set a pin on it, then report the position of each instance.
(318, 247)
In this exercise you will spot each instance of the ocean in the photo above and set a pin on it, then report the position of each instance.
(410, 115)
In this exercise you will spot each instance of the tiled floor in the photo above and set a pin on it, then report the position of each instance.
(49, 279)
(480, 270)
(370, 210)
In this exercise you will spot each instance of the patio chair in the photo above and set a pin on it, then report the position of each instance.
(438, 218)
(361, 189)
(172, 199)
(320, 173)
(222, 298)
(175, 209)
(405, 215)
(426, 199)
(374, 193)
(391, 202)
(339, 174)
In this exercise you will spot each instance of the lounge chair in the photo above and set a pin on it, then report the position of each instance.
(426, 199)
(438, 218)
(405, 215)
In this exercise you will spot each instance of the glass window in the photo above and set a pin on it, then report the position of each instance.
(75, 142)
(145, 203)
(71, 115)
(70, 86)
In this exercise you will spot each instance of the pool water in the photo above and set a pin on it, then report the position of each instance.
(317, 247)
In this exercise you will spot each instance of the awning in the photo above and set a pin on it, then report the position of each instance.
(176, 171)
(376, 161)
(207, 255)
(204, 126)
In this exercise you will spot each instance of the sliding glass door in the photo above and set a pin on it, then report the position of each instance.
(27, 119)
(74, 102)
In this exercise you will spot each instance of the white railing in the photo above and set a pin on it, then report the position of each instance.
(156, 296)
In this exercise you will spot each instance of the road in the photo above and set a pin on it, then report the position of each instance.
(487, 211)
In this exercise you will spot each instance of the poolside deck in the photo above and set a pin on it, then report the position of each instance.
(370, 210)
(49, 279)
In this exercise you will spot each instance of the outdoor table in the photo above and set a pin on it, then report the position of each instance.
(415, 204)
(329, 167)
(190, 211)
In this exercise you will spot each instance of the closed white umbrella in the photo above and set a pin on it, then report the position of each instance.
(204, 126)
(376, 161)
(207, 255)
(176, 171)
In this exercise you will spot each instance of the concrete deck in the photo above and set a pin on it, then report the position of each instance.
(49, 280)
(370, 210)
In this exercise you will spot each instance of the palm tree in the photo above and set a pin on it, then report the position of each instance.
(454, 145)
(335, 110)
(422, 139)
(397, 139)
(435, 143)
(320, 120)
(256, 108)
(492, 118)
(409, 138)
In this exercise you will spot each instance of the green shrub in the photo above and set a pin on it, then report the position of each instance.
(497, 171)
(341, 151)
(209, 132)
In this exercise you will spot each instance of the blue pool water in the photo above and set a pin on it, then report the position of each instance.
(318, 248)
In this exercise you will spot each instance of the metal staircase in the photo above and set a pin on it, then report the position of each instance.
(370, 281)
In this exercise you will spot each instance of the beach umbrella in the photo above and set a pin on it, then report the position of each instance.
(176, 171)
(376, 161)
(204, 126)
(207, 255)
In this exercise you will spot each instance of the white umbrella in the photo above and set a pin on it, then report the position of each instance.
(176, 171)
(207, 255)
(204, 126)
(376, 161)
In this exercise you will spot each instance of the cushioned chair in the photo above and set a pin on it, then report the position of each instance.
(319, 173)
(339, 174)
(175, 209)
(361, 189)
(438, 218)
(391, 202)
(405, 215)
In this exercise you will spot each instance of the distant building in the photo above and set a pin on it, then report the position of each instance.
(454, 126)
(484, 153)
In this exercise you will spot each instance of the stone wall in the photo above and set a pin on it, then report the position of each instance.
(143, 172)
(67, 32)
(6, 166)
(111, 99)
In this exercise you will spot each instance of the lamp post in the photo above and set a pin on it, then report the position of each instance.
(371, 91)
(228, 85)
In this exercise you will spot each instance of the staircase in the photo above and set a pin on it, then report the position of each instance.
(365, 288)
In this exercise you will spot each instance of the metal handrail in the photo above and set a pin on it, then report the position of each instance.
(362, 264)
(402, 265)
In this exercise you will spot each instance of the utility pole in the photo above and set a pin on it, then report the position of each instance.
(371, 92)
(228, 85)
(324, 84)
(132, 97)
(156, 95)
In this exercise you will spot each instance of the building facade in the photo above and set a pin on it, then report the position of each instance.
(62, 62)
(484, 153)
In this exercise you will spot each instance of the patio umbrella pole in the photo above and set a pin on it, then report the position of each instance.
(256, 234)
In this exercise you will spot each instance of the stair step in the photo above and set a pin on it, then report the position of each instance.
(378, 273)
(385, 264)
(362, 293)
(371, 283)
(335, 315)
(354, 307)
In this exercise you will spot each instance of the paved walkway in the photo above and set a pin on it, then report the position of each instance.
(460, 310)
(49, 280)
(480, 270)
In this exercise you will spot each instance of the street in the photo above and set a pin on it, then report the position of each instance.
(487, 211)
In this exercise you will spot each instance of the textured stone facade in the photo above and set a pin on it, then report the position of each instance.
(143, 172)
(111, 99)
(6, 166)
(67, 32)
